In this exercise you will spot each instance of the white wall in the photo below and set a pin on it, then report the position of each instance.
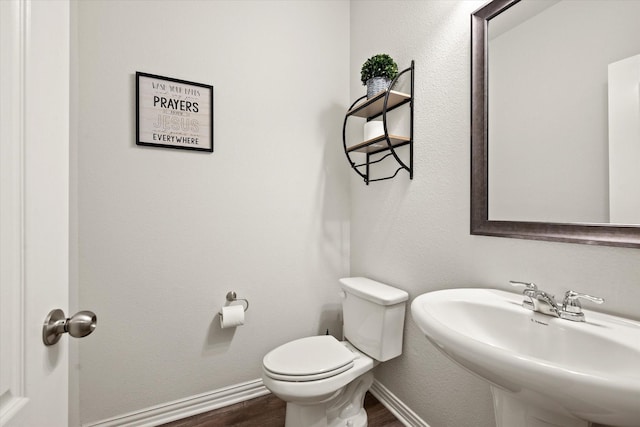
(163, 234)
(415, 234)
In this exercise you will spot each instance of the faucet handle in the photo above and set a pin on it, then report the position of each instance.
(571, 307)
(529, 292)
(527, 286)
(571, 302)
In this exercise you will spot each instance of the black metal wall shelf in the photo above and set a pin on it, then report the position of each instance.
(380, 105)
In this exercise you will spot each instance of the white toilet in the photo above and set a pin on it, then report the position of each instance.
(324, 380)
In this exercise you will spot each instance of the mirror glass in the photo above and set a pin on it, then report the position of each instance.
(563, 124)
(555, 102)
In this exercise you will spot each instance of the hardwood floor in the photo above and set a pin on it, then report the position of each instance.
(268, 411)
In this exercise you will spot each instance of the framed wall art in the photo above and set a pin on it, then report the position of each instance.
(173, 113)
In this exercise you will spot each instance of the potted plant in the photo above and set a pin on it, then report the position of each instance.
(377, 73)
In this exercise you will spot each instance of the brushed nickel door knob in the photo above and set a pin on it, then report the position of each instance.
(79, 325)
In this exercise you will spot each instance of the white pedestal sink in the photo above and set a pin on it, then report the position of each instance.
(544, 371)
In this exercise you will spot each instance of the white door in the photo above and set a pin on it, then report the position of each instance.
(34, 213)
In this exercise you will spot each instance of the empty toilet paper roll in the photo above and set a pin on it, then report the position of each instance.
(231, 316)
(373, 129)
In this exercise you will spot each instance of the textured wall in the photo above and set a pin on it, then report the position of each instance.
(162, 234)
(415, 234)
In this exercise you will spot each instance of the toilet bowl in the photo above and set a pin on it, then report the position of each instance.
(324, 380)
(309, 380)
(315, 384)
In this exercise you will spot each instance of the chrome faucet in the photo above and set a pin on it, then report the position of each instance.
(542, 302)
(537, 300)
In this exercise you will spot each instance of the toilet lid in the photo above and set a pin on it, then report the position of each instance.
(308, 359)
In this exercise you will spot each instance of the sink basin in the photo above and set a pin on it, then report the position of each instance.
(548, 369)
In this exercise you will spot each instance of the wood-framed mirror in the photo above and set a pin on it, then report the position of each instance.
(494, 193)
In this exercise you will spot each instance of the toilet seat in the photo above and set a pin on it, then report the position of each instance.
(308, 359)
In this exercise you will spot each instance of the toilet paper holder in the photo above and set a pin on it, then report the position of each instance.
(232, 296)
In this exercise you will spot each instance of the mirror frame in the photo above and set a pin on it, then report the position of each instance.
(585, 233)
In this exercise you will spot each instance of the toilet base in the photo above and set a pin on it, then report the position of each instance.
(345, 409)
(358, 420)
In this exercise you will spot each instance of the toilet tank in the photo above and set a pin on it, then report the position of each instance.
(373, 317)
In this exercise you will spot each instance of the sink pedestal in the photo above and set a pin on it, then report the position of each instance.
(511, 411)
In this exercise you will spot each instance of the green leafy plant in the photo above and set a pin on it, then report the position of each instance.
(381, 65)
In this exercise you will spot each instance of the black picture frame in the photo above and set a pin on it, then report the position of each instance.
(173, 113)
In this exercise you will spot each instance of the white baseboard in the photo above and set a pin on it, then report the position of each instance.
(401, 411)
(183, 408)
(198, 404)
